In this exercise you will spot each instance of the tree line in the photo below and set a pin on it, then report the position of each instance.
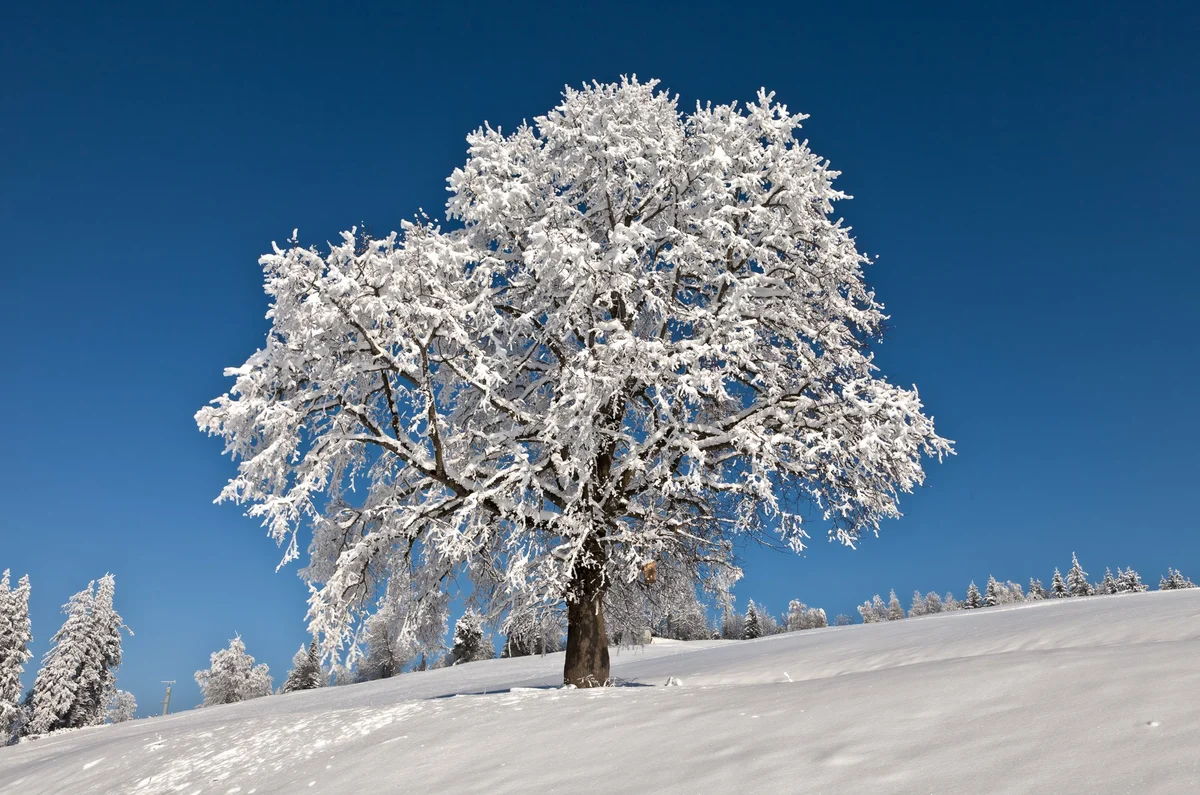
(996, 592)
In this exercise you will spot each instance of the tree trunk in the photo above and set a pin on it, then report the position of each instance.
(586, 662)
(587, 644)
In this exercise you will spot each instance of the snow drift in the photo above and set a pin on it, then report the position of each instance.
(1100, 694)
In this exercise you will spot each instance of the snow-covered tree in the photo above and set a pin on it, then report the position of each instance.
(121, 706)
(306, 673)
(1108, 585)
(991, 596)
(767, 623)
(648, 334)
(732, 624)
(752, 628)
(867, 611)
(529, 631)
(1014, 592)
(14, 649)
(1058, 588)
(666, 604)
(1036, 591)
(1129, 581)
(895, 610)
(232, 676)
(933, 603)
(1174, 580)
(79, 671)
(405, 625)
(973, 599)
(1077, 581)
(949, 603)
(469, 641)
(801, 616)
(842, 620)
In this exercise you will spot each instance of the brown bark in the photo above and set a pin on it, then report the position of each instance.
(586, 662)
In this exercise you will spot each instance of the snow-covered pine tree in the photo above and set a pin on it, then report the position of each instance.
(1129, 581)
(14, 650)
(895, 610)
(77, 676)
(1036, 591)
(991, 596)
(469, 641)
(1077, 581)
(562, 386)
(949, 603)
(1174, 580)
(752, 628)
(120, 707)
(1108, 585)
(1058, 588)
(879, 607)
(867, 613)
(973, 599)
(306, 673)
(919, 606)
(232, 676)
(933, 603)
(842, 620)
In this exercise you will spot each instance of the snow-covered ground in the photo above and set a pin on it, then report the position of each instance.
(1095, 695)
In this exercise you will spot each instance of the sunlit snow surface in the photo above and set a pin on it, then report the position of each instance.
(1097, 695)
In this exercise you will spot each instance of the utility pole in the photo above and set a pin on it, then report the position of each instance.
(167, 697)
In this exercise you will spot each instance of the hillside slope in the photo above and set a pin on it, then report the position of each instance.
(1099, 694)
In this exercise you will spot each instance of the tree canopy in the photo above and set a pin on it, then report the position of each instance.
(644, 334)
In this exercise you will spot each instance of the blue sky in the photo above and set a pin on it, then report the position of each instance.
(1026, 175)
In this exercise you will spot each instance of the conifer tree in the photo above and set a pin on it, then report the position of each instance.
(232, 676)
(895, 611)
(992, 593)
(919, 606)
(879, 608)
(949, 603)
(867, 612)
(1058, 588)
(1077, 581)
(78, 673)
(1129, 581)
(306, 673)
(973, 599)
(469, 642)
(753, 626)
(14, 650)
(1108, 585)
(933, 603)
(1174, 580)
(1036, 590)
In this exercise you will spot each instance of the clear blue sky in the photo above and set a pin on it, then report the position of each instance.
(1026, 174)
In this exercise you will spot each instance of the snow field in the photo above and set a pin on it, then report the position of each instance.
(1100, 694)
